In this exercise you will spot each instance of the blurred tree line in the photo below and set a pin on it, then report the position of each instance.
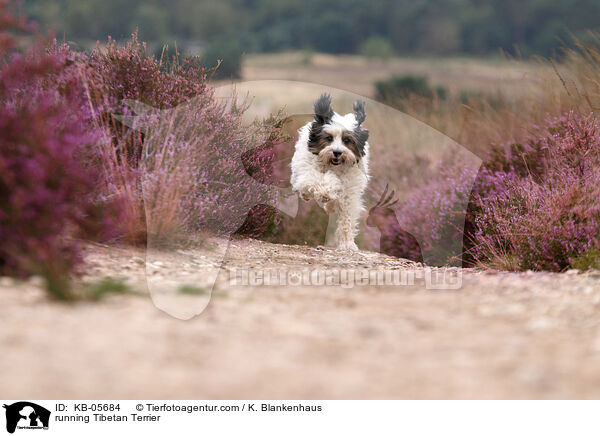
(433, 27)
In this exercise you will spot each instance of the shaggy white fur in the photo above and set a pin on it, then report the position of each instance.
(337, 187)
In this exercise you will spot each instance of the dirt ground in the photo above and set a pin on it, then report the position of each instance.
(501, 335)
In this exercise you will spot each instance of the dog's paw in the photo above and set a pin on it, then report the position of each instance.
(327, 201)
(306, 193)
(323, 198)
(348, 245)
(331, 207)
(326, 196)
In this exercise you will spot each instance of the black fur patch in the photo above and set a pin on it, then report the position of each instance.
(322, 109)
(359, 111)
(351, 142)
(323, 114)
(361, 137)
(317, 138)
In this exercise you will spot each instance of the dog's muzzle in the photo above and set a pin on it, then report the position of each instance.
(337, 158)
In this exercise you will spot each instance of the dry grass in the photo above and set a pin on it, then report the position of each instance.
(508, 95)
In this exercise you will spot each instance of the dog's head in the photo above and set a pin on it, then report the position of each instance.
(338, 140)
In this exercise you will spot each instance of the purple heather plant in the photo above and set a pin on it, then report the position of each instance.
(46, 188)
(66, 159)
(162, 170)
(196, 177)
(535, 204)
(434, 214)
(114, 74)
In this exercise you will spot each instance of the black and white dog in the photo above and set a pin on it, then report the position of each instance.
(331, 165)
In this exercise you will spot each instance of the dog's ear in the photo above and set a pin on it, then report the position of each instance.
(359, 111)
(322, 108)
(362, 136)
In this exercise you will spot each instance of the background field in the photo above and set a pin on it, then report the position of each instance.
(358, 74)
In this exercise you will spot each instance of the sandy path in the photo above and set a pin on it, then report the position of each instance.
(502, 335)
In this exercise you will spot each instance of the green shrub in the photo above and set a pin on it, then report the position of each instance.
(192, 290)
(307, 56)
(226, 54)
(588, 260)
(377, 47)
(108, 285)
(398, 88)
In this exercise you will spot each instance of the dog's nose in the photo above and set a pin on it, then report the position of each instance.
(337, 153)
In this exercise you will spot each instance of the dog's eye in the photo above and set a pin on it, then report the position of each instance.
(346, 141)
(329, 138)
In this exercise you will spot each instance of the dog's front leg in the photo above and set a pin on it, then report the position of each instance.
(324, 188)
(314, 191)
(348, 214)
(328, 192)
(307, 184)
